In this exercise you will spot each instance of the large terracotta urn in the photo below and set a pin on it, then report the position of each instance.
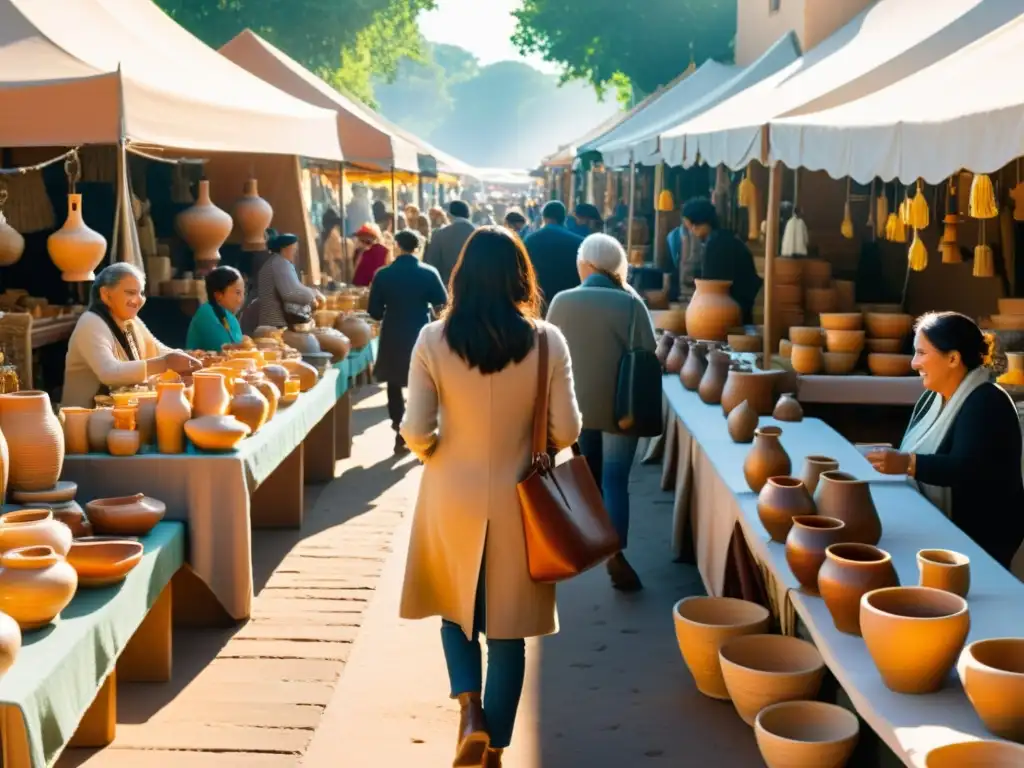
(806, 543)
(75, 422)
(766, 459)
(32, 527)
(849, 572)
(813, 467)
(10, 642)
(172, 411)
(712, 311)
(992, 673)
(36, 584)
(713, 381)
(35, 440)
(253, 215)
(780, 500)
(210, 395)
(694, 367)
(75, 248)
(806, 734)
(204, 226)
(844, 497)
(249, 406)
(756, 387)
(742, 423)
(101, 421)
(12, 244)
(677, 355)
(665, 342)
(356, 329)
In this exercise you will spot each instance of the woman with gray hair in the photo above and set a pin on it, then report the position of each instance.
(110, 347)
(596, 319)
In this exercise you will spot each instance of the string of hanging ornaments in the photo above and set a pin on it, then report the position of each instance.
(75, 248)
(983, 206)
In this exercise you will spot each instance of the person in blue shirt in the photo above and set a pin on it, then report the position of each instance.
(215, 323)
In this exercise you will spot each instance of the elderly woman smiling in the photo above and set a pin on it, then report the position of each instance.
(110, 347)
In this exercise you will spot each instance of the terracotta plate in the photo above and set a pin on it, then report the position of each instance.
(63, 492)
(102, 561)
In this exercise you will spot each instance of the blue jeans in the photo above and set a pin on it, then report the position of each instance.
(610, 458)
(506, 667)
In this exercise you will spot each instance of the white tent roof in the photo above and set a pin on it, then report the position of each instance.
(965, 111)
(563, 157)
(889, 41)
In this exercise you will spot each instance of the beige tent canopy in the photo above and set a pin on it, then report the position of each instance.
(100, 71)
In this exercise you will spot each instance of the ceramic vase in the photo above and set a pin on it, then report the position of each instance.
(302, 341)
(992, 673)
(32, 527)
(806, 734)
(677, 355)
(75, 248)
(788, 409)
(249, 406)
(806, 543)
(665, 344)
(101, 421)
(355, 329)
(76, 429)
(742, 423)
(10, 642)
(756, 387)
(766, 459)
(253, 215)
(813, 467)
(204, 226)
(125, 515)
(849, 572)
(712, 311)
(694, 367)
(12, 244)
(269, 391)
(145, 418)
(780, 500)
(210, 395)
(844, 497)
(172, 411)
(713, 381)
(276, 375)
(36, 584)
(946, 570)
(35, 440)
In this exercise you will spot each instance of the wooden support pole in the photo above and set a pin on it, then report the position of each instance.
(771, 248)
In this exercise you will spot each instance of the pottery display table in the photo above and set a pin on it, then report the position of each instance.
(62, 689)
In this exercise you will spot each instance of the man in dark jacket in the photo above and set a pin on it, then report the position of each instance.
(553, 250)
(446, 243)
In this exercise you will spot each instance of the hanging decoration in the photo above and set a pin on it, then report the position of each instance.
(882, 213)
(12, 244)
(75, 248)
(983, 203)
(897, 232)
(746, 192)
(918, 255)
(1017, 195)
(795, 238)
(846, 228)
(920, 216)
(984, 262)
(665, 202)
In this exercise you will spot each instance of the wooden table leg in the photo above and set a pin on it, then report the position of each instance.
(13, 739)
(278, 502)
(194, 603)
(148, 658)
(318, 451)
(97, 726)
(343, 427)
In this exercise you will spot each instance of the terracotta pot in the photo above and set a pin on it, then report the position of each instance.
(809, 537)
(306, 373)
(123, 442)
(813, 467)
(881, 364)
(172, 411)
(713, 382)
(806, 734)
(269, 391)
(842, 321)
(694, 367)
(967, 754)
(766, 459)
(101, 421)
(12, 244)
(302, 341)
(840, 363)
(665, 343)
(817, 273)
(788, 271)
(992, 673)
(844, 497)
(788, 409)
(677, 355)
(210, 396)
(36, 584)
(75, 248)
(10, 642)
(216, 433)
(887, 346)
(806, 360)
(756, 387)
(33, 527)
(252, 214)
(914, 635)
(761, 670)
(35, 440)
(742, 423)
(883, 325)
(846, 294)
(944, 569)
(124, 418)
(806, 336)
(75, 422)
(333, 342)
(849, 572)
(249, 406)
(703, 624)
(845, 341)
(277, 375)
(204, 226)
(818, 300)
(102, 562)
(780, 500)
(125, 515)
(71, 514)
(712, 311)
(356, 329)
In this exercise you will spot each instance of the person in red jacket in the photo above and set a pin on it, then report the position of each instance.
(371, 254)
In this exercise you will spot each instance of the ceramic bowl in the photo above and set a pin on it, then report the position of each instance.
(976, 754)
(842, 321)
(806, 734)
(101, 561)
(992, 673)
(840, 363)
(844, 341)
(786, 348)
(805, 336)
(884, 325)
(885, 346)
(216, 433)
(881, 364)
(125, 515)
(806, 359)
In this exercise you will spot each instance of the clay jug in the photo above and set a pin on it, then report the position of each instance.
(36, 584)
(742, 423)
(302, 341)
(32, 527)
(253, 215)
(10, 642)
(101, 421)
(677, 355)
(356, 329)
(74, 248)
(145, 418)
(766, 459)
(204, 226)
(249, 406)
(123, 442)
(277, 375)
(788, 409)
(756, 387)
(713, 381)
(210, 395)
(844, 497)
(172, 411)
(35, 440)
(712, 311)
(665, 343)
(813, 467)
(694, 367)
(849, 572)
(806, 543)
(268, 389)
(780, 500)
(76, 429)
(12, 244)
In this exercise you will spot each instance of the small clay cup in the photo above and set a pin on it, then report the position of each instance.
(946, 570)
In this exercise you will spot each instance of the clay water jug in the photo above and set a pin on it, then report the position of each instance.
(101, 421)
(664, 347)
(204, 226)
(677, 355)
(712, 311)
(253, 215)
(35, 440)
(713, 381)
(694, 367)
(780, 500)
(844, 497)
(210, 395)
(249, 406)
(806, 543)
(172, 411)
(766, 459)
(788, 409)
(742, 423)
(75, 248)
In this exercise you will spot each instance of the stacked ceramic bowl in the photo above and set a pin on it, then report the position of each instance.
(806, 355)
(844, 341)
(788, 292)
(887, 335)
(1010, 317)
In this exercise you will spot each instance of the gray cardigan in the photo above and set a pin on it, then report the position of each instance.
(595, 321)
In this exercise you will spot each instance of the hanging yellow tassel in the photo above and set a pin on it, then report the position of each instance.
(899, 231)
(847, 226)
(905, 210)
(746, 191)
(882, 215)
(918, 254)
(665, 202)
(984, 262)
(891, 222)
(919, 215)
(983, 198)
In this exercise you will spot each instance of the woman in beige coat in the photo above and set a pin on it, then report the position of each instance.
(472, 388)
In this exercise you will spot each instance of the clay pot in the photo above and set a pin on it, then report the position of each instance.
(813, 467)
(124, 418)
(321, 361)
(35, 440)
(883, 325)
(787, 271)
(967, 754)
(123, 442)
(766, 459)
(788, 409)
(992, 673)
(301, 341)
(677, 354)
(172, 411)
(742, 423)
(665, 343)
(125, 515)
(818, 300)
(780, 500)
(356, 329)
(204, 226)
(101, 562)
(806, 360)
(10, 642)
(712, 311)
(33, 527)
(249, 406)
(703, 624)
(889, 365)
(334, 343)
(694, 367)
(269, 391)
(75, 248)
(845, 341)
(145, 417)
(914, 635)
(809, 537)
(277, 375)
(306, 373)
(806, 734)
(756, 387)
(252, 214)
(210, 396)
(849, 572)
(101, 421)
(817, 273)
(216, 433)
(70, 513)
(944, 569)
(806, 336)
(844, 497)
(12, 244)
(713, 382)
(842, 321)
(761, 670)
(75, 422)
(36, 584)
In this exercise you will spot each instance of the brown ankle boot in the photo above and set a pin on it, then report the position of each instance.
(473, 737)
(493, 758)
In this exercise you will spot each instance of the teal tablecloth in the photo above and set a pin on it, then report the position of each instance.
(354, 364)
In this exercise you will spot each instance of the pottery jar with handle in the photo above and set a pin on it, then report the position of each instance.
(172, 411)
(742, 423)
(806, 543)
(813, 467)
(36, 584)
(844, 497)
(694, 367)
(34, 438)
(780, 500)
(849, 572)
(766, 459)
(713, 381)
(712, 311)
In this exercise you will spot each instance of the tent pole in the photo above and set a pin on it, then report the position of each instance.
(344, 223)
(771, 247)
(631, 206)
(659, 184)
(394, 197)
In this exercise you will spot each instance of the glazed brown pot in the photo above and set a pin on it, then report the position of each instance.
(944, 569)
(756, 387)
(36, 584)
(253, 215)
(677, 354)
(302, 341)
(665, 344)
(334, 343)
(35, 440)
(813, 467)
(694, 367)
(788, 409)
(713, 381)
(172, 411)
(742, 423)
(210, 394)
(249, 406)
(356, 329)
(806, 543)
(844, 497)
(712, 311)
(780, 500)
(992, 673)
(849, 572)
(204, 226)
(766, 459)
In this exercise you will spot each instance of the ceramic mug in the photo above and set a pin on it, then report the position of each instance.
(946, 570)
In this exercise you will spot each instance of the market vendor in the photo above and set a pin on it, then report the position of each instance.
(215, 323)
(110, 347)
(962, 449)
(371, 254)
(281, 300)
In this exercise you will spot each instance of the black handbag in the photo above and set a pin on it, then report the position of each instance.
(638, 391)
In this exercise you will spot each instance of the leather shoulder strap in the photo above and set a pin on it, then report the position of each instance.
(540, 406)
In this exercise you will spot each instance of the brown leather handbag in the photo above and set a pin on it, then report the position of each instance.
(568, 530)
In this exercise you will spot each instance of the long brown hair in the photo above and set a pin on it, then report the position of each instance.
(489, 319)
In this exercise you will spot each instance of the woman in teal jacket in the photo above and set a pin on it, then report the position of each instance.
(216, 323)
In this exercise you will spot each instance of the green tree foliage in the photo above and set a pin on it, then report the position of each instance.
(618, 43)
